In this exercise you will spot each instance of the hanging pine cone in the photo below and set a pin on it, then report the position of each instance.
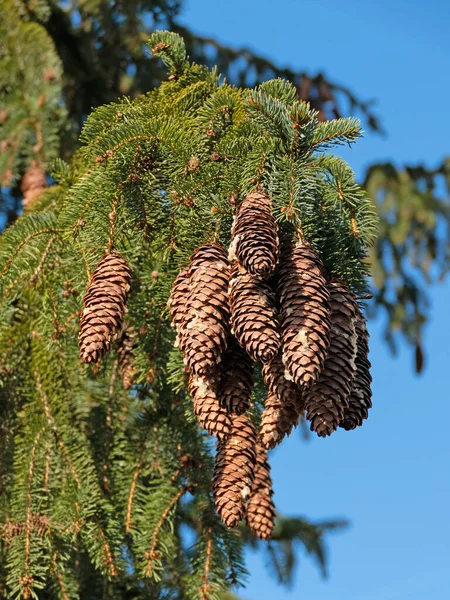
(305, 314)
(253, 315)
(277, 420)
(327, 399)
(282, 388)
(254, 238)
(205, 328)
(127, 359)
(359, 401)
(207, 409)
(104, 307)
(261, 509)
(178, 302)
(34, 182)
(236, 379)
(234, 471)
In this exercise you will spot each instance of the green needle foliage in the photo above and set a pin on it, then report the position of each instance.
(107, 492)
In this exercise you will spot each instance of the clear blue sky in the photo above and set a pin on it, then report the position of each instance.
(391, 477)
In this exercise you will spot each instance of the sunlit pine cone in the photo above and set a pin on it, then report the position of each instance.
(305, 314)
(327, 399)
(234, 471)
(254, 316)
(261, 509)
(254, 237)
(104, 307)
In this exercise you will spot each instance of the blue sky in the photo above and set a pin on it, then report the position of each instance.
(390, 478)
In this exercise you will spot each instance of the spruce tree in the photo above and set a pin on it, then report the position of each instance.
(122, 267)
(91, 52)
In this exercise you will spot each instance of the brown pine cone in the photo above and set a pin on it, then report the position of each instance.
(207, 409)
(178, 302)
(305, 314)
(253, 315)
(104, 307)
(34, 182)
(284, 389)
(261, 509)
(277, 420)
(254, 238)
(236, 381)
(327, 399)
(234, 471)
(127, 359)
(359, 401)
(206, 326)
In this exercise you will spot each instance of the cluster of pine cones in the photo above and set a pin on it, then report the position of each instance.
(277, 309)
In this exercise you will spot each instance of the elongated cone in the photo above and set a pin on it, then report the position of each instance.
(127, 359)
(178, 303)
(277, 420)
(305, 314)
(283, 388)
(327, 399)
(254, 238)
(104, 307)
(253, 315)
(234, 471)
(360, 399)
(261, 509)
(208, 411)
(206, 326)
(34, 182)
(236, 380)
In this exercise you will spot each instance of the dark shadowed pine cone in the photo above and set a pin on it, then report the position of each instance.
(104, 307)
(207, 409)
(127, 359)
(234, 471)
(284, 389)
(277, 420)
(327, 399)
(178, 303)
(253, 315)
(305, 314)
(254, 238)
(360, 399)
(261, 509)
(206, 326)
(236, 380)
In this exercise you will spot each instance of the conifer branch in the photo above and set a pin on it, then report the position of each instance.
(206, 587)
(150, 555)
(23, 242)
(26, 578)
(53, 427)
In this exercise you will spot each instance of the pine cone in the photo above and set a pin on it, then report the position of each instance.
(253, 315)
(277, 420)
(205, 328)
(254, 238)
(34, 182)
(282, 387)
(327, 399)
(305, 314)
(104, 307)
(178, 302)
(234, 471)
(359, 401)
(236, 379)
(127, 359)
(261, 509)
(207, 409)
